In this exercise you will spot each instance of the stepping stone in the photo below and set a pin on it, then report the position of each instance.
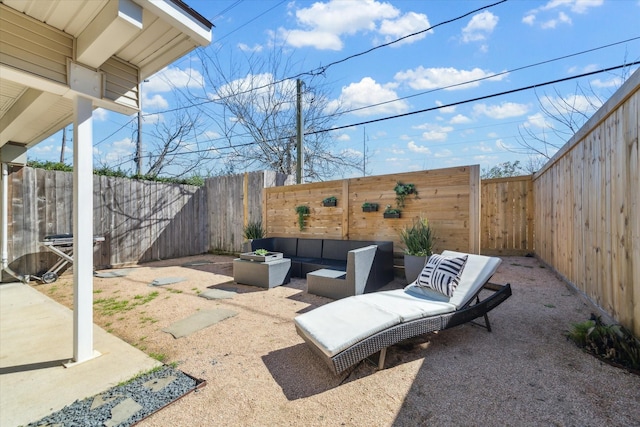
(122, 412)
(99, 400)
(158, 384)
(167, 281)
(198, 321)
(113, 273)
(217, 294)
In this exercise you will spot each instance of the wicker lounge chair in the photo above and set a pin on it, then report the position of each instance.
(349, 330)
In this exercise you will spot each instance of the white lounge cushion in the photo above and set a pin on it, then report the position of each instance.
(340, 324)
(405, 305)
(336, 326)
(477, 271)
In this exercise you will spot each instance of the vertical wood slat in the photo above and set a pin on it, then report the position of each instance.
(139, 220)
(507, 206)
(586, 208)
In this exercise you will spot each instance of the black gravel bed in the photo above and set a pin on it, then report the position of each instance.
(147, 401)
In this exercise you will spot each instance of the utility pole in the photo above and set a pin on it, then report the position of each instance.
(300, 159)
(64, 143)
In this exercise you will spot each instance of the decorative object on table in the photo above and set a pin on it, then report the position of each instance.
(418, 241)
(302, 211)
(330, 201)
(253, 230)
(369, 207)
(402, 191)
(390, 212)
(261, 255)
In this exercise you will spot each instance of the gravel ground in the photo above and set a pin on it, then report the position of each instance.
(260, 373)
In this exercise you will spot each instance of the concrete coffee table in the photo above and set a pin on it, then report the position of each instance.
(268, 274)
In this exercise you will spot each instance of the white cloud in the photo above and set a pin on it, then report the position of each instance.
(480, 26)
(537, 120)
(445, 110)
(420, 149)
(574, 6)
(409, 23)
(343, 137)
(450, 78)
(435, 132)
(323, 24)
(118, 150)
(246, 48)
(459, 119)
(170, 78)
(614, 82)
(368, 92)
(553, 23)
(100, 114)
(502, 111)
(571, 103)
(156, 102)
(443, 153)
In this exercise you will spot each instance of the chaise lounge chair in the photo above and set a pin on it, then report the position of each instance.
(349, 330)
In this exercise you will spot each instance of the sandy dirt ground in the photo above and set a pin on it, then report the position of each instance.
(259, 372)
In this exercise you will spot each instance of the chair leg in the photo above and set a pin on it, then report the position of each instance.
(383, 355)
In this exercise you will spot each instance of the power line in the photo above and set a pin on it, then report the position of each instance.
(321, 70)
(480, 98)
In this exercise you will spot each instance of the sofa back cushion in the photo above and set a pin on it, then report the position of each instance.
(287, 245)
(309, 248)
(336, 249)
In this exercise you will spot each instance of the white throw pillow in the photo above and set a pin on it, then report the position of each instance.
(442, 273)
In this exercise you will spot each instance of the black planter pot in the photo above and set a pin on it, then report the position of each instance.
(329, 204)
(370, 209)
(391, 215)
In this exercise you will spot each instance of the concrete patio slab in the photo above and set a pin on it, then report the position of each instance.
(36, 338)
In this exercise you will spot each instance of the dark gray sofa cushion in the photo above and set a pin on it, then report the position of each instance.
(309, 248)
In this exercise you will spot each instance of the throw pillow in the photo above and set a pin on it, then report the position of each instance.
(442, 273)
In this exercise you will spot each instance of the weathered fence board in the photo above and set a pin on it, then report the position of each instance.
(140, 221)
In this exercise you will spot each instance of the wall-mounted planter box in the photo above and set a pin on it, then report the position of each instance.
(330, 203)
(370, 208)
(391, 215)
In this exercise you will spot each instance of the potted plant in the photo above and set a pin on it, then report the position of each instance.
(418, 241)
(369, 207)
(390, 212)
(330, 201)
(402, 191)
(253, 230)
(302, 211)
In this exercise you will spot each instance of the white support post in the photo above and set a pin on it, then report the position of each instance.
(83, 230)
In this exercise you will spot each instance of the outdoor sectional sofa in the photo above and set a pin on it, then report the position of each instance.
(309, 255)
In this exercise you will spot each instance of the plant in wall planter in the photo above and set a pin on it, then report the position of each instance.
(390, 212)
(418, 241)
(402, 191)
(369, 207)
(302, 211)
(330, 201)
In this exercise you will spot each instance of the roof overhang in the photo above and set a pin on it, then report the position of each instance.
(51, 50)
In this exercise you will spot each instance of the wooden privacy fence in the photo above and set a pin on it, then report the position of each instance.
(448, 198)
(140, 220)
(507, 216)
(587, 217)
(234, 201)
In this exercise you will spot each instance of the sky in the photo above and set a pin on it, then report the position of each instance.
(449, 96)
